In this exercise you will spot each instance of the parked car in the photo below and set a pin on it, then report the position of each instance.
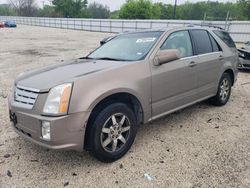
(97, 102)
(1, 25)
(244, 55)
(10, 23)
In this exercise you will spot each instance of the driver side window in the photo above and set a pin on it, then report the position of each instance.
(179, 40)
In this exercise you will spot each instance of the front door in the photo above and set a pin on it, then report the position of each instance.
(174, 83)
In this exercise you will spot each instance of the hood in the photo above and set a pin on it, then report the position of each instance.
(247, 50)
(246, 47)
(45, 78)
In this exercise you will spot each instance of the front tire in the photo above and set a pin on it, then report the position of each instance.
(113, 132)
(224, 91)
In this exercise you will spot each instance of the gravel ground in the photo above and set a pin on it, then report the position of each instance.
(200, 146)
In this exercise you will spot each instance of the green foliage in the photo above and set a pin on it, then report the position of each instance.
(97, 10)
(6, 10)
(114, 14)
(166, 10)
(214, 10)
(70, 8)
(137, 9)
(47, 11)
(244, 5)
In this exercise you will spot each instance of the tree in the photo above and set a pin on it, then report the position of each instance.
(136, 9)
(46, 11)
(114, 14)
(97, 10)
(7, 10)
(70, 8)
(244, 5)
(166, 11)
(23, 7)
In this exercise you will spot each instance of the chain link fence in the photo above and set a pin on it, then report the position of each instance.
(239, 30)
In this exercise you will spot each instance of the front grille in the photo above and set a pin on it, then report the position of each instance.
(25, 97)
(246, 65)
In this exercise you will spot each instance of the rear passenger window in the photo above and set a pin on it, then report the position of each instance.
(215, 45)
(223, 35)
(201, 42)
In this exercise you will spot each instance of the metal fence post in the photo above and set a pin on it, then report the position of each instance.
(225, 27)
(122, 25)
(110, 27)
(90, 25)
(100, 25)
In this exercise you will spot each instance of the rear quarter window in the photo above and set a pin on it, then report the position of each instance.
(215, 45)
(225, 37)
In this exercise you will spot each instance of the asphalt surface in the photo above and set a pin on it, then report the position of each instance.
(200, 146)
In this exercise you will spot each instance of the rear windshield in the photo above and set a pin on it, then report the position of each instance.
(223, 35)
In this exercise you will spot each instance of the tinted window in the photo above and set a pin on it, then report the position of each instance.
(223, 35)
(179, 40)
(216, 47)
(201, 41)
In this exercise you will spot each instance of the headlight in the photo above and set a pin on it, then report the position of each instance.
(58, 99)
(241, 54)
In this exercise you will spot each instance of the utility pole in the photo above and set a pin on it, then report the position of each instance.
(175, 4)
(204, 17)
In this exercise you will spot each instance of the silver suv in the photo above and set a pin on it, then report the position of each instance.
(97, 102)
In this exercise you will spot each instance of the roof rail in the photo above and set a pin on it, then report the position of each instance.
(205, 25)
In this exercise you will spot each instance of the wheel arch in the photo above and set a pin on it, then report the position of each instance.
(231, 74)
(124, 97)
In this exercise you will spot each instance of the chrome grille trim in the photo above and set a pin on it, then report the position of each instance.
(25, 97)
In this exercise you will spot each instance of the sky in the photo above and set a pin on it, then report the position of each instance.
(115, 4)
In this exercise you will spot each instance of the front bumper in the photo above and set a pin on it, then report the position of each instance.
(244, 63)
(67, 132)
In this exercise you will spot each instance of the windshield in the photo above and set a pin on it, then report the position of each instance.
(127, 47)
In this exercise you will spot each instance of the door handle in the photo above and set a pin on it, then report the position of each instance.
(192, 64)
(221, 57)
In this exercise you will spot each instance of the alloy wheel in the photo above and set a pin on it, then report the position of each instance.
(115, 132)
(224, 89)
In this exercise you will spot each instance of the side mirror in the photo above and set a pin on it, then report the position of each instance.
(107, 39)
(165, 56)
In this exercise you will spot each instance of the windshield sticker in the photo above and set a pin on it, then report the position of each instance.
(139, 53)
(152, 39)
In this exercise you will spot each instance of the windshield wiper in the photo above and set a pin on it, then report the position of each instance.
(104, 58)
(110, 58)
(86, 57)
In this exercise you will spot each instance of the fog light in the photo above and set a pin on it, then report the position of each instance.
(46, 130)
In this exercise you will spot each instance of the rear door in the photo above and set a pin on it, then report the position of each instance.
(209, 64)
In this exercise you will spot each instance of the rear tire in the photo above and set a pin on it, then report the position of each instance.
(112, 132)
(224, 91)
